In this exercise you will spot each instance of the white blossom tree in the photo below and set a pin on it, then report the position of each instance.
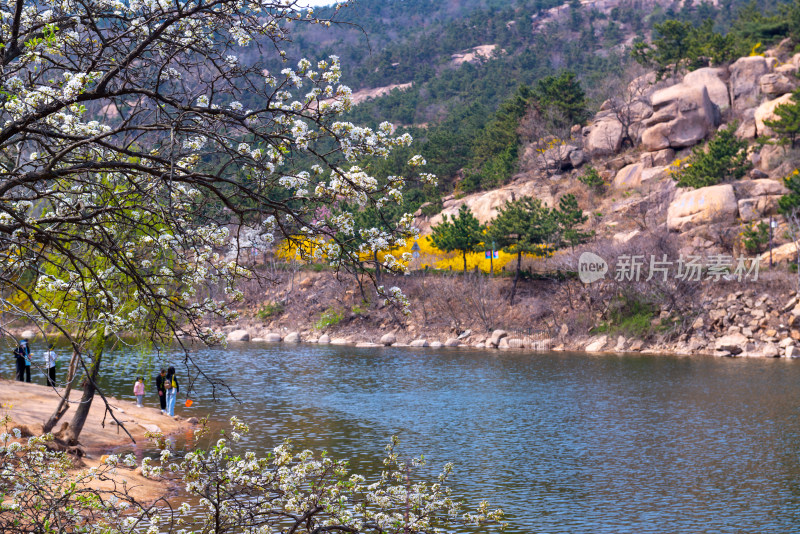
(138, 137)
(226, 491)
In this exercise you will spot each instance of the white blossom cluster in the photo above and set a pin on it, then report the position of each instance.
(135, 135)
(227, 489)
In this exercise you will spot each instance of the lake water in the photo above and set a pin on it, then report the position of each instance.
(562, 442)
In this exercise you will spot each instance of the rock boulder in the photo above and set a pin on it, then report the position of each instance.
(746, 74)
(713, 79)
(758, 198)
(603, 137)
(777, 83)
(388, 339)
(497, 335)
(629, 177)
(732, 343)
(597, 345)
(239, 335)
(691, 208)
(292, 337)
(683, 115)
(766, 112)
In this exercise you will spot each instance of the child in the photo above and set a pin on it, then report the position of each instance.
(138, 390)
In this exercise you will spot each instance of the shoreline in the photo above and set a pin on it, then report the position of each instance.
(500, 340)
(29, 405)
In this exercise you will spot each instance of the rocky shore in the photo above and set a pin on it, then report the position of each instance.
(741, 324)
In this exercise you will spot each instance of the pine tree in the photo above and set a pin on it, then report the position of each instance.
(570, 216)
(788, 126)
(724, 159)
(564, 94)
(524, 226)
(463, 234)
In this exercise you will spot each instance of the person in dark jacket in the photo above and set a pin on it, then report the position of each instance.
(172, 387)
(23, 356)
(19, 356)
(161, 390)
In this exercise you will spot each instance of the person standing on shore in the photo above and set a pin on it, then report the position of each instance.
(24, 358)
(138, 390)
(19, 356)
(171, 384)
(161, 390)
(50, 358)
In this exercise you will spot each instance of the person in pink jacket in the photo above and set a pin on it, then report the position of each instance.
(138, 390)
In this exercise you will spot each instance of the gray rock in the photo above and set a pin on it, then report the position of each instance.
(388, 339)
(497, 335)
(515, 343)
(577, 158)
(746, 73)
(28, 334)
(340, 341)
(503, 344)
(629, 177)
(193, 421)
(777, 83)
(603, 137)
(683, 115)
(769, 350)
(452, 342)
(713, 80)
(324, 339)
(706, 205)
(239, 335)
(272, 338)
(791, 352)
(436, 344)
(292, 337)
(419, 343)
(367, 344)
(597, 344)
(732, 343)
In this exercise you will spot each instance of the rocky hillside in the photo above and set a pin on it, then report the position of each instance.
(663, 120)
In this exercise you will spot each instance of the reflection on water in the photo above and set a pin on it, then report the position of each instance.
(564, 443)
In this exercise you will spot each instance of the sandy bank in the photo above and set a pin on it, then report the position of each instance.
(32, 404)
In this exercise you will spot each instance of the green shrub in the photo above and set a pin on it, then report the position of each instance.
(755, 237)
(329, 317)
(361, 309)
(271, 309)
(722, 160)
(629, 315)
(592, 179)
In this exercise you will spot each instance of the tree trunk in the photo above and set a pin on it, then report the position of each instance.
(79, 419)
(465, 262)
(516, 277)
(377, 268)
(63, 405)
(360, 284)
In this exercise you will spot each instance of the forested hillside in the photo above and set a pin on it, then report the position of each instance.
(466, 114)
